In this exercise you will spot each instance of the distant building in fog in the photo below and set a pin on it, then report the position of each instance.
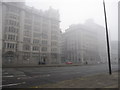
(30, 36)
(114, 51)
(84, 44)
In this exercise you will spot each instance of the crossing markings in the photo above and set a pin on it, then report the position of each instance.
(8, 76)
(12, 84)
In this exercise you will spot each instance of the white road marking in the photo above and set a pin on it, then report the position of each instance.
(21, 75)
(5, 73)
(8, 76)
(12, 84)
(48, 75)
(43, 75)
(18, 78)
(38, 76)
(13, 76)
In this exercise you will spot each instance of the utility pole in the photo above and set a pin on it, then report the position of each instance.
(107, 38)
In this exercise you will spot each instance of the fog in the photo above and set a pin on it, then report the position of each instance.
(44, 42)
(78, 11)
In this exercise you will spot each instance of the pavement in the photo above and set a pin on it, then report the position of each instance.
(26, 77)
(46, 65)
(91, 81)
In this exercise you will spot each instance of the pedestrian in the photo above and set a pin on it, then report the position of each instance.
(39, 63)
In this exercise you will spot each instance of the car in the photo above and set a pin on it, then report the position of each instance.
(68, 62)
(41, 63)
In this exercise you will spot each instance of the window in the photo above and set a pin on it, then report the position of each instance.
(26, 47)
(13, 9)
(28, 15)
(27, 33)
(11, 45)
(53, 43)
(44, 30)
(37, 18)
(44, 42)
(53, 55)
(45, 20)
(27, 40)
(44, 36)
(54, 32)
(12, 37)
(35, 56)
(44, 48)
(53, 49)
(28, 21)
(11, 22)
(35, 41)
(54, 37)
(36, 23)
(13, 29)
(36, 35)
(5, 36)
(27, 27)
(26, 55)
(37, 29)
(13, 16)
(35, 48)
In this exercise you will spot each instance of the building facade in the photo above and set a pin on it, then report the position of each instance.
(101, 39)
(82, 45)
(30, 36)
(114, 51)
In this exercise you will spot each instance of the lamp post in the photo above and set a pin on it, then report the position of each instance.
(107, 38)
(39, 55)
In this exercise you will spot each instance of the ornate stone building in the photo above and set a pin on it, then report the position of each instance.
(84, 43)
(30, 36)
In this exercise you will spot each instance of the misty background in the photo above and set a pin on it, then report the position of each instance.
(78, 11)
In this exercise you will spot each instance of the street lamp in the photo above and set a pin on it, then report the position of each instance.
(107, 38)
(39, 55)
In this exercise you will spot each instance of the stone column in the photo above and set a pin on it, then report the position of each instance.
(20, 38)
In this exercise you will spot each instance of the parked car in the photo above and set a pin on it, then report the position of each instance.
(68, 62)
(41, 63)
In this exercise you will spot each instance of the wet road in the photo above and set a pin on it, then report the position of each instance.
(30, 77)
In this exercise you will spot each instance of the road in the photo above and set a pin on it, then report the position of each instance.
(30, 77)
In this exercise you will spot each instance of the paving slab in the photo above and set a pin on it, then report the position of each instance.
(91, 81)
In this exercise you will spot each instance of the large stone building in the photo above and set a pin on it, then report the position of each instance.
(84, 44)
(30, 36)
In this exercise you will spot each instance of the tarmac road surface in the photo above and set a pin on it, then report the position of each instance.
(30, 77)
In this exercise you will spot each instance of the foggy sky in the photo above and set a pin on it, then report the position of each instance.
(78, 11)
